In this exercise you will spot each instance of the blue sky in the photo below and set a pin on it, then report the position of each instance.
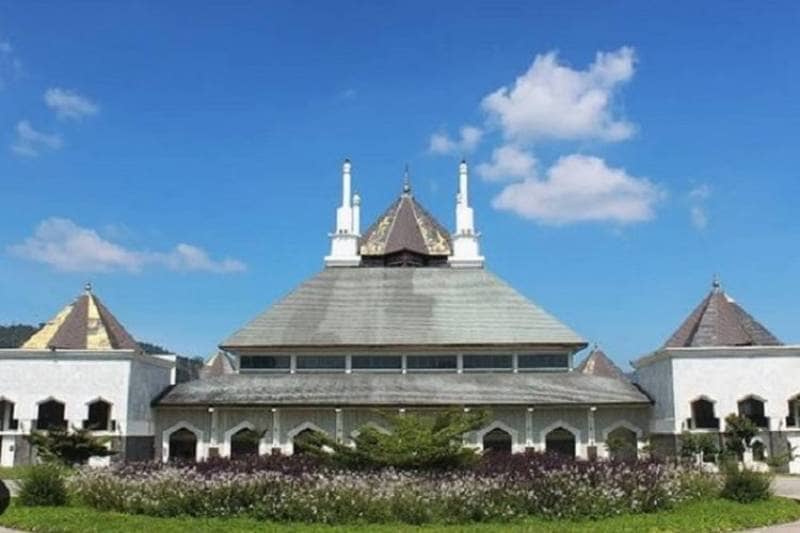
(185, 158)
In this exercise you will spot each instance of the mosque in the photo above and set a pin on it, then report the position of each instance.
(404, 317)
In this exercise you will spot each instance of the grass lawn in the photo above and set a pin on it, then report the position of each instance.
(13, 472)
(713, 515)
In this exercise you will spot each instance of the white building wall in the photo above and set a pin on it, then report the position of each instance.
(656, 380)
(74, 382)
(771, 374)
(145, 382)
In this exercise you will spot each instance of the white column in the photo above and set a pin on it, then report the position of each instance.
(460, 363)
(529, 427)
(515, 363)
(466, 252)
(276, 428)
(339, 426)
(344, 241)
(590, 423)
(292, 364)
(348, 364)
(213, 437)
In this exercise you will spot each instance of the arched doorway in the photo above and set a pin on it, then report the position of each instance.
(183, 445)
(302, 440)
(759, 452)
(622, 444)
(497, 441)
(244, 443)
(50, 416)
(560, 441)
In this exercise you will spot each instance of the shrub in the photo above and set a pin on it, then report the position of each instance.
(746, 486)
(739, 432)
(5, 497)
(43, 484)
(68, 448)
(499, 487)
(413, 440)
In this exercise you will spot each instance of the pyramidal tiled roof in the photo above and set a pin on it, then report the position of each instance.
(406, 225)
(720, 321)
(597, 363)
(85, 324)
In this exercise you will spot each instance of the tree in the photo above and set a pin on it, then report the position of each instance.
(68, 448)
(413, 441)
(697, 443)
(739, 433)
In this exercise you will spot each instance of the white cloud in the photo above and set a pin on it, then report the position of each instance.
(69, 104)
(700, 192)
(66, 246)
(698, 216)
(30, 142)
(10, 64)
(553, 101)
(508, 162)
(441, 143)
(697, 211)
(581, 188)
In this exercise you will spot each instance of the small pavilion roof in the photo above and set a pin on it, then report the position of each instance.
(720, 321)
(597, 363)
(406, 225)
(85, 324)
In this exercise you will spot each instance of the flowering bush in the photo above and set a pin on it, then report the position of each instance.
(296, 489)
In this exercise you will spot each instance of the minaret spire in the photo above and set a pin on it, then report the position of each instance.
(344, 242)
(466, 252)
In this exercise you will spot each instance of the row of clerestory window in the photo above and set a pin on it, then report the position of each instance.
(413, 363)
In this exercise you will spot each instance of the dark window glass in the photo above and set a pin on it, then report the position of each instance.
(99, 416)
(321, 362)
(552, 360)
(264, 362)
(377, 362)
(487, 362)
(51, 416)
(431, 362)
(703, 415)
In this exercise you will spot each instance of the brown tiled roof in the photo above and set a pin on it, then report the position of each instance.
(597, 363)
(85, 324)
(406, 225)
(720, 321)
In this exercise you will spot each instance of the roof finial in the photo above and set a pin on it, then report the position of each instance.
(716, 285)
(88, 287)
(406, 181)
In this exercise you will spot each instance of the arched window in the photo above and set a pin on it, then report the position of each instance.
(622, 444)
(753, 408)
(793, 420)
(497, 441)
(182, 445)
(560, 441)
(759, 453)
(300, 441)
(99, 418)
(703, 415)
(50, 415)
(244, 443)
(7, 420)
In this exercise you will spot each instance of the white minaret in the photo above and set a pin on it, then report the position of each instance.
(344, 243)
(466, 252)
